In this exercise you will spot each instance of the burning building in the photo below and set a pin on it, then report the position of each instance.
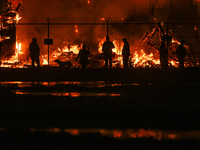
(8, 20)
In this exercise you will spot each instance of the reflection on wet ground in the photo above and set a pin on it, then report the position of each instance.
(122, 134)
(86, 88)
(68, 94)
(90, 84)
(65, 88)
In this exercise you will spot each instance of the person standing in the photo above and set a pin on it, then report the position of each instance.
(35, 52)
(1, 48)
(125, 52)
(107, 51)
(163, 56)
(83, 55)
(181, 52)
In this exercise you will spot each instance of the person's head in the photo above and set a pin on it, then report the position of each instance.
(84, 46)
(34, 40)
(107, 38)
(124, 40)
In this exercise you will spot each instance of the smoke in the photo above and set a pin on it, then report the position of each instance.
(78, 11)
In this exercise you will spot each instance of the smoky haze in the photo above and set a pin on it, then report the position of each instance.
(75, 11)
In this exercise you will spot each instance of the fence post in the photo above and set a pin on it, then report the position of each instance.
(48, 19)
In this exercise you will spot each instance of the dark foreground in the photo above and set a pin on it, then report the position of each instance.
(145, 98)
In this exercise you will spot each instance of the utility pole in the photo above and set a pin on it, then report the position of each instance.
(69, 46)
(167, 43)
(107, 21)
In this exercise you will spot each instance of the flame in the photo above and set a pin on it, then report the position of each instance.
(17, 18)
(139, 57)
(67, 51)
(14, 58)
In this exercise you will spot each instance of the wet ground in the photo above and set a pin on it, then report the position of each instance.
(135, 108)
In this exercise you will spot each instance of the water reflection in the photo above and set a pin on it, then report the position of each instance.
(66, 88)
(68, 94)
(90, 84)
(128, 133)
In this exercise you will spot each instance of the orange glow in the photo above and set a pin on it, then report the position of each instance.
(117, 134)
(72, 131)
(128, 133)
(89, 1)
(76, 29)
(195, 28)
(102, 19)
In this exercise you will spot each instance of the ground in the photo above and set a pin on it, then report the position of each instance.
(145, 98)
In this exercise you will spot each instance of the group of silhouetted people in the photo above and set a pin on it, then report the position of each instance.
(84, 53)
(107, 51)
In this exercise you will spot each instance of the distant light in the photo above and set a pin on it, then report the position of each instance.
(89, 1)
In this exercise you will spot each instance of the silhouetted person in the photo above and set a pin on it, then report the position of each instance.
(181, 52)
(35, 52)
(107, 51)
(83, 57)
(1, 48)
(125, 52)
(163, 56)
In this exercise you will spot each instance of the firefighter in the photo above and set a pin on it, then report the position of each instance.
(35, 52)
(125, 52)
(83, 55)
(163, 56)
(181, 52)
(1, 48)
(107, 51)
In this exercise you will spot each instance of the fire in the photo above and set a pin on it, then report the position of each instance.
(17, 18)
(64, 53)
(15, 58)
(139, 58)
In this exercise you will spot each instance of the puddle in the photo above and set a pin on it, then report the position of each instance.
(68, 94)
(128, 133)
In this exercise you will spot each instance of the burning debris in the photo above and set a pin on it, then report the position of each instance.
(9, 45)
